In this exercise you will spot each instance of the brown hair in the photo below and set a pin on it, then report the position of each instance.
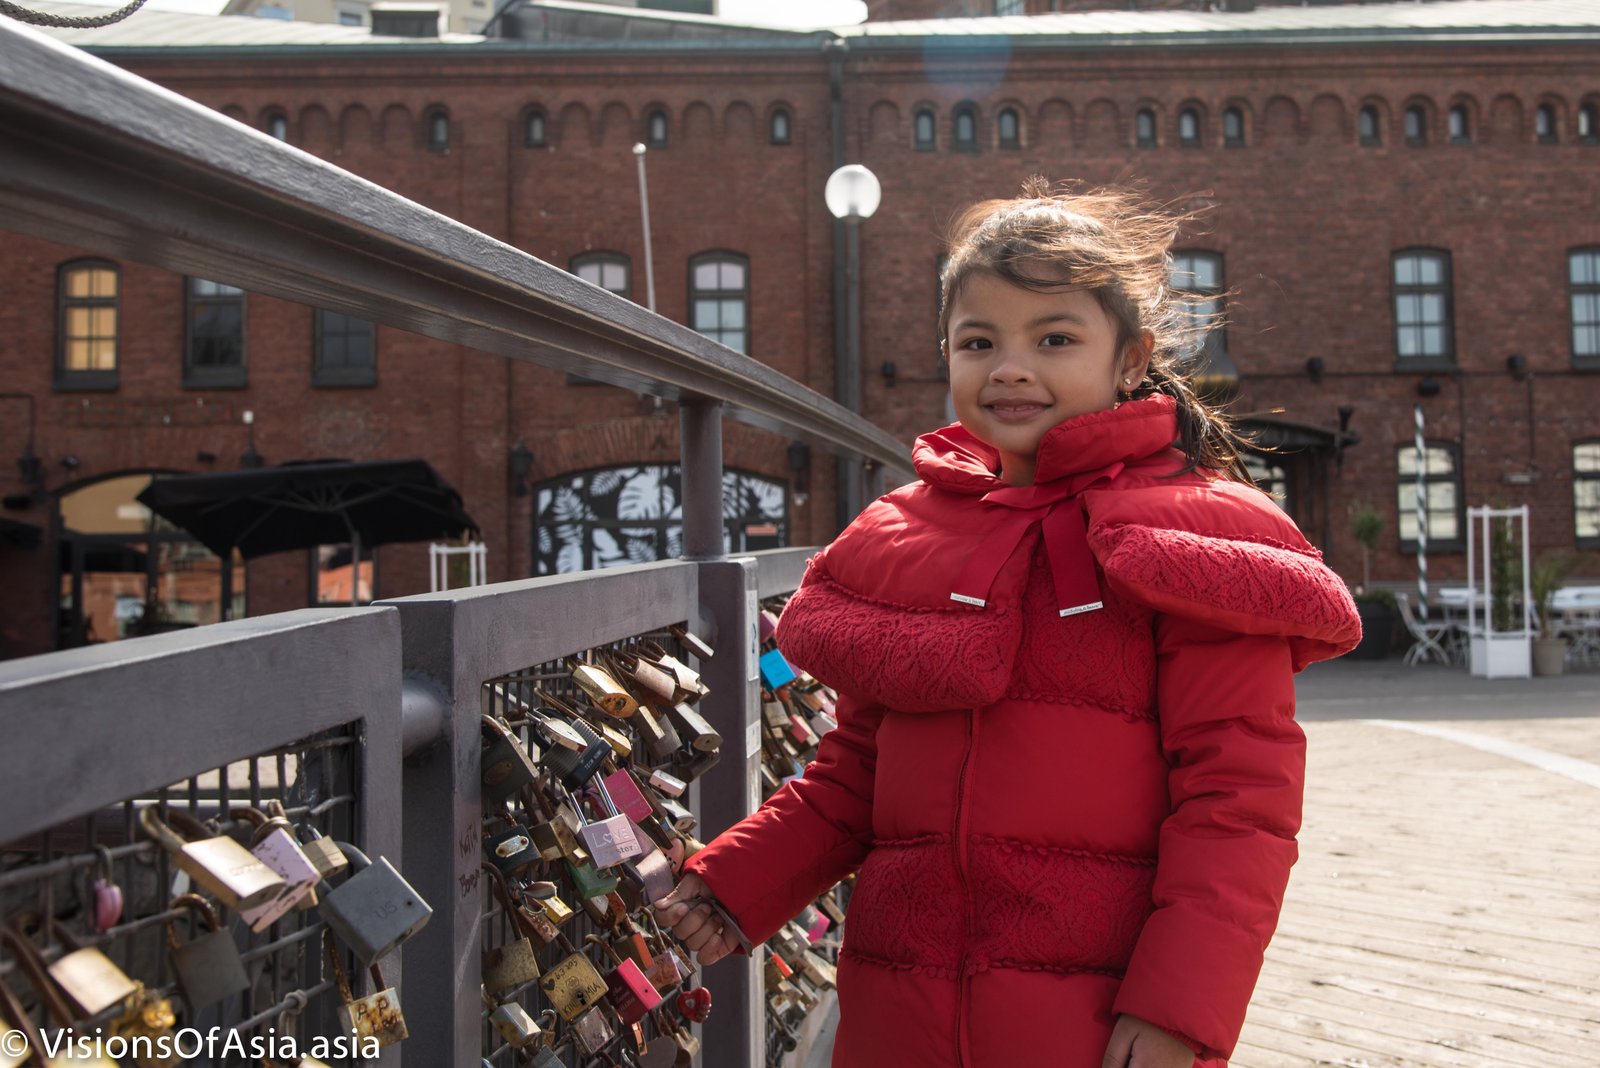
(1117, 245)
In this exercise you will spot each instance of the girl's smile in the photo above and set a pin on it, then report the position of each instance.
(1024, 360)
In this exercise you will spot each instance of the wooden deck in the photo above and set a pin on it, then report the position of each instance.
(1446, 907)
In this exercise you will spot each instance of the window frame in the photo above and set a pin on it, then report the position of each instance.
(1582, 541)
(341, 376)
(1015, 7)
(431, 119)
(1233, 126)
(66, 378)
(1419, 139)
(272, 121)
(1375, 138)
(959, 114)
(1013, 115)
(1446, 360)
(1458, 124)
(786, 136)
(721, 256)
(919, 116)
(1194, 139)
(1145, 128)
(654, 116)
(1546, 115)
(1215, 346)
(227, 376)
(1408, 481)
(529, 117)
(601, 257)
(1588, 361)
(1588, 123)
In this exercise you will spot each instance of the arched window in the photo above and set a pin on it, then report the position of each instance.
(535, 129)
(633, 514)
(1233, 128)
(1189, 128)
(1544, 125)
(1589, 124)
(1368, 128)
(922, 130)
(88, 296)
(1009, 128)
(1583, 280)
(438, 126)
(965, 132)
(719, 298)
(655, 128)
(1460, 125)
(1422, 305)
(611, 271)
(780, 127)
(1144, 128)
(1416, 125)
(278, 125)
(1441, 479)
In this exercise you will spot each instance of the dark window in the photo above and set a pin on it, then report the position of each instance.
(1441, 479)
(1586, 494)
(1460, 125)
(966, 129)
(1199, 275)
(719, 298)
(1416, 125)
(1144, 128)
(535, 130)
(1371, 133)
(610, 271)
(1588, 124)
(1544, 125)
(1009, 128)
(655, 128)
(780, 127)
(87, 300)
(346, 350)
(438, 131)
(1189, 128)
(1583, 277)
(1010, 7)
(1422, 305)
(1270, 476)
(214, 348)
(922, 130)
(278, 125)
(1233, 128)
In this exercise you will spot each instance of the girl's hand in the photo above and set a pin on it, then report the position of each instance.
(1137, 1044)
(694, 922)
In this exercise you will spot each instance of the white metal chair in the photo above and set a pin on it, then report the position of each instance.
(1428, 636)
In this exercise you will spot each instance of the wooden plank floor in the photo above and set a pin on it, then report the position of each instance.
(1445, 910)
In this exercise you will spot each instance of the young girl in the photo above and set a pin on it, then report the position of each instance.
(1066, 767)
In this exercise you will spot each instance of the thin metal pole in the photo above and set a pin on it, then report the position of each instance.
(848, 388)
(1422, 515)
(639, 151)
(700, 459)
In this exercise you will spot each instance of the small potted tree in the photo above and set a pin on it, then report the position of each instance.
(1549, 649)
(1376, 607)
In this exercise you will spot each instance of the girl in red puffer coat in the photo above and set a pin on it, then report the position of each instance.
(1066, 768)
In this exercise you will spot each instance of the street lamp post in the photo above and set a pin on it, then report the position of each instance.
(852, 194)
(644, 212)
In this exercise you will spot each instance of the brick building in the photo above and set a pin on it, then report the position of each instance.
(1402, 211)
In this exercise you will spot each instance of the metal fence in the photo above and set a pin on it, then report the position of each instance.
(362, 722)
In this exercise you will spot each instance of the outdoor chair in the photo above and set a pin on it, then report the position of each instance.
(1428, 635)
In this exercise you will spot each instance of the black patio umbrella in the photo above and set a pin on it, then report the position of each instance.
(297, 506)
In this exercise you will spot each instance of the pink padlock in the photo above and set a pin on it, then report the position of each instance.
(695, 1005)
(630, 993)
(107, 894)
(818, 926)
(627, 796)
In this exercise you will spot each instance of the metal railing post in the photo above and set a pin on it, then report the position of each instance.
(701, 463)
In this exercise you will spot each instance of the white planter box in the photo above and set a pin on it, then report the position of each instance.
(1502, 656)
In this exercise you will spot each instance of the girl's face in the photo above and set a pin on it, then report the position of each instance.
(1023, 361)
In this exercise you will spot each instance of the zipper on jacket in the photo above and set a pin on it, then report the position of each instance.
(959, 843)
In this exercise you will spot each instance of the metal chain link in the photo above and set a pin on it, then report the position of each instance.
(70, 22)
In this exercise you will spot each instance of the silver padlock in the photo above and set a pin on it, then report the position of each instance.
(374, 910)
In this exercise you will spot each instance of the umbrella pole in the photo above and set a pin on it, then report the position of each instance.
(227, 586)
(355, 568)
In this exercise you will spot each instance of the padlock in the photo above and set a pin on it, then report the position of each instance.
(107, 894)
(573, 986)
(559, 837)
(630, 992)
(611, 840)
(593, 1031)
(776, 672)
(506, 766)
(598, 685)
(627, 796)
(537, 925)
(659, 735)
(516, 1027)
(696, 646)
(575, 769)
(274, 845)
(676, 814)
(667, 784)
(509, 966)
(588, 881)
(373, 910)
(655, 684)
(694, 1005)
(831, 908)
(88, 976)
(546, 720)
(32, 966)
(819, 971)
(816, 923)
(556, 910)
(545, 1057)
(690, 686)
(220, 866)
(149, 1017)
(694, 728)
(621, 743)
(378, 1014)
(511, 851)
(209, 967)
(653, 873)
(324, 853)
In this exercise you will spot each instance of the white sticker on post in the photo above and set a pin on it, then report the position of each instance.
(752, 739)
(752, 615)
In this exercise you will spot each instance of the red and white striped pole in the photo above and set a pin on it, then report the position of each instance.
(1422, 517)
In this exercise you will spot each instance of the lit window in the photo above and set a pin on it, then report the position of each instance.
(1144, 127)
(1422, 305)
(1583, 276)
(608, 270)
(1441, 479)
(922, 130)
(214, 344)
(1367, 126)
(719, 298)
(87, 293)
(1586, 493)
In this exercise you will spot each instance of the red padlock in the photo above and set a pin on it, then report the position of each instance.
(695, 1005)
(107, 894)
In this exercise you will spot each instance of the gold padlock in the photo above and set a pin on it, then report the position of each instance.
(606, 693)
(220, 866)
(32, 965)
(88, 976)
(573, 986)
(377, 1015)
(148, 1017)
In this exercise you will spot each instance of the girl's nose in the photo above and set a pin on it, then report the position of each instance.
(1009, 369)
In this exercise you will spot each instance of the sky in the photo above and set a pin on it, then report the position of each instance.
(764, 12)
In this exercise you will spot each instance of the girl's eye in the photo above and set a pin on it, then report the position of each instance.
(974, 343)
(1056, 340)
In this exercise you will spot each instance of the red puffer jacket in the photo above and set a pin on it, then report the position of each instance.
(1066, 765)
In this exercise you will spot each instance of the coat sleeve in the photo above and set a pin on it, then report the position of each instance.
(1237, 762)
(808, 835)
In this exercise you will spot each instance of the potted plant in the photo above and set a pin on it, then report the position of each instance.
(1549, 649)
(1376, 607)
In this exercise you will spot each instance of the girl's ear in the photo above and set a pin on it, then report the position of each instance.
(1136, 361)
